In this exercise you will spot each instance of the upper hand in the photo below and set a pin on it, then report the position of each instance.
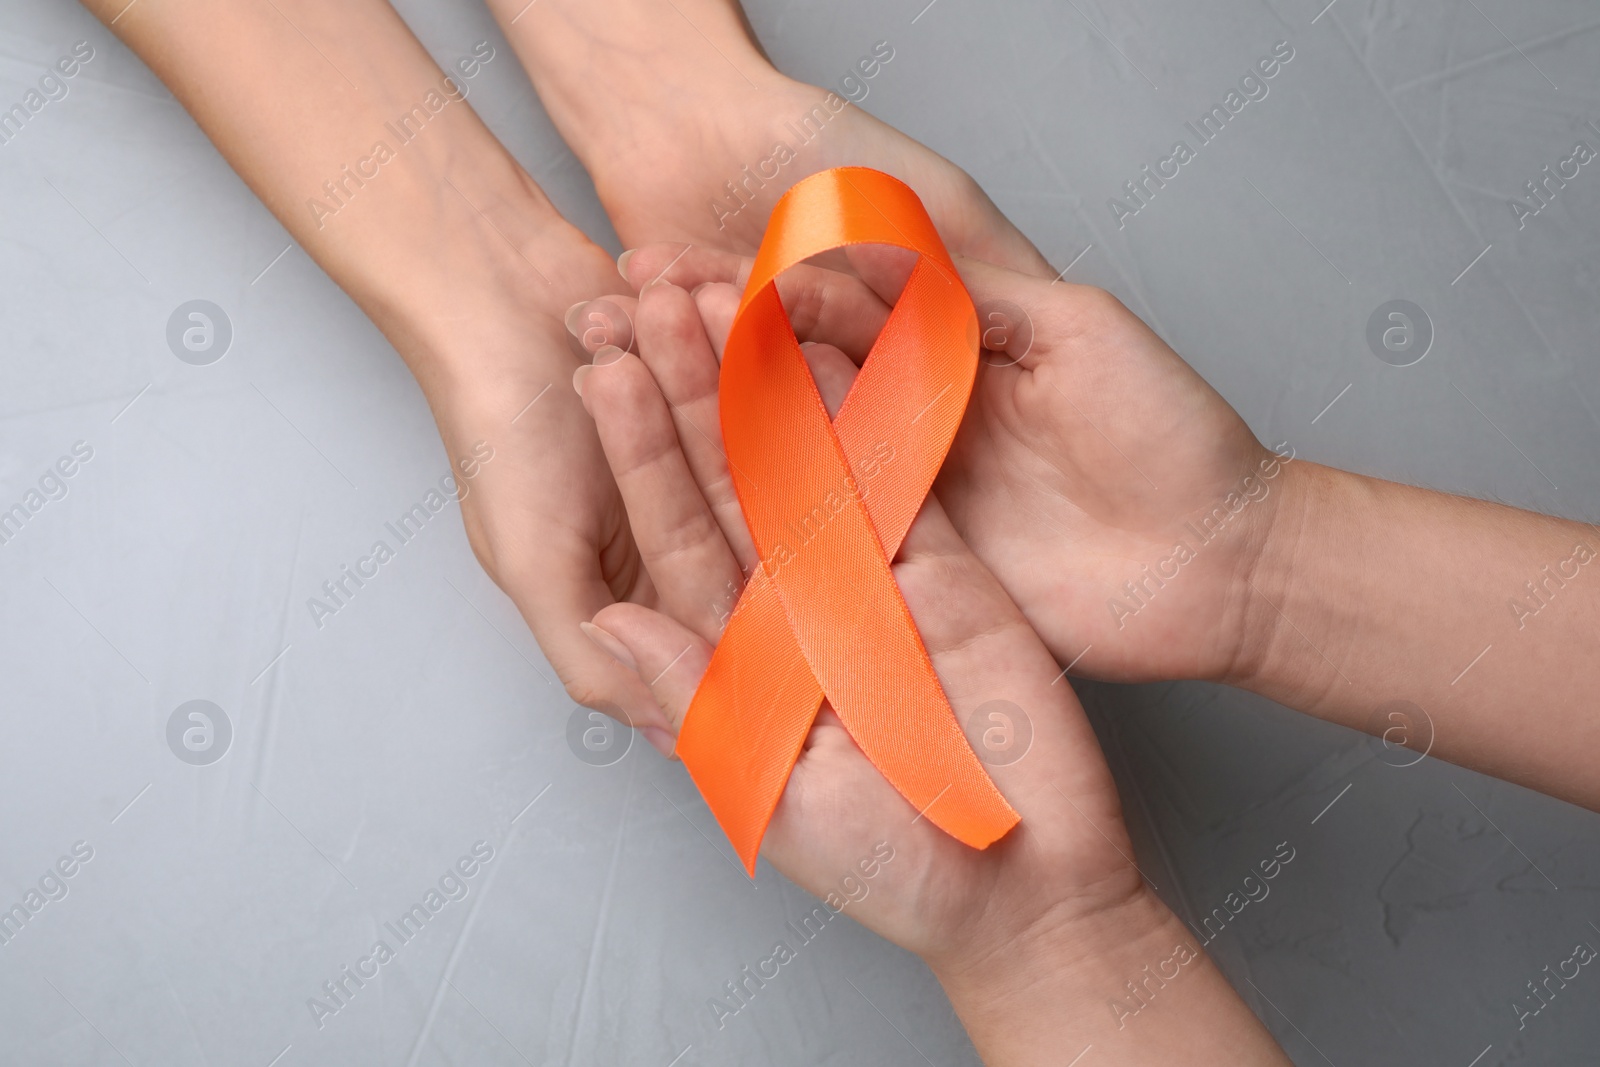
(542, 513)
(1092, 456)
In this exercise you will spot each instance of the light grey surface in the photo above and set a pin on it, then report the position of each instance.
(417, 721)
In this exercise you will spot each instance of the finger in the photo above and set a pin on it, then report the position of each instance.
(717, 303)
(670, 657)
(833, 371)
(561, 589)
(606, 321)
(849, 311)
(822, 305)
(991, 237)
(1002, 298)
(836, 308)
(685, 266)
(688, 266)
(1031, 319)
(883, 268)
(831, 307)
(1015, 251)
(674, 346)
(694, 571)
(1022, 317)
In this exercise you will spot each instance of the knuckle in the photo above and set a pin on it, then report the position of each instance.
(589, 693)
(624, 384)
(805, 303)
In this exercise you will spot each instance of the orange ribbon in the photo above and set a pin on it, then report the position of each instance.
(828, 503)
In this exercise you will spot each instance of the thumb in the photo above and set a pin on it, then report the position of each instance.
(553, 596)
(669, 657)
(1015, 309)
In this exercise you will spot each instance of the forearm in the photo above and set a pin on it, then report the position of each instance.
(1133, 984)
(436, 235)
(608, 70)
(1483, 616)
(691, 135)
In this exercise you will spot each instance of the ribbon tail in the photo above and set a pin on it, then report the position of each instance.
(749, 719)
(833, 618)
(930, 762)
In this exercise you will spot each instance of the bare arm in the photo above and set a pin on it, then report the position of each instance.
(1484, 617)
(691, 134)
(297, 96)
(341, 123)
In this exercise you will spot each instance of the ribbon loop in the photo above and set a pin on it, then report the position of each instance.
(828, 502)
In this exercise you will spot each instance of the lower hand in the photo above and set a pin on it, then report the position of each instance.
(657, 423)
(1034, 937)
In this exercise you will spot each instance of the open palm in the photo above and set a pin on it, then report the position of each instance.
(656, 414)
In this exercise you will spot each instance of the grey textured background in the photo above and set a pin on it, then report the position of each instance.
(380, 748)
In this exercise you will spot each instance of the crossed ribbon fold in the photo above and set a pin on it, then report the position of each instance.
(822, 615)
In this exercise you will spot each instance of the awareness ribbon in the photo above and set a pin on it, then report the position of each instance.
(822, 615)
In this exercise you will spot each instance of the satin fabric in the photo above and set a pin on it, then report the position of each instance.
(828, 503)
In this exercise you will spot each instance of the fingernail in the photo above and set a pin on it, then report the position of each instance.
(608, 643)
(606, 355)
(577, 386)
(660, 740)
(696, 290)
(572, 319)
(622, 263)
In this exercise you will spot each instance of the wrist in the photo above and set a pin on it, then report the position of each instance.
(1301, 591)
(1059, 953)
(616, 76)
(1132, 982)
(477, 307)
